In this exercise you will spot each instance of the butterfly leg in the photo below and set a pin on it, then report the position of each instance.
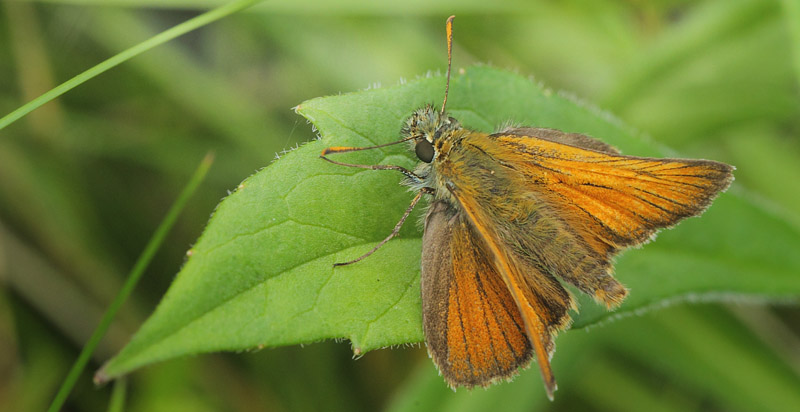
(340, 149)
(396, 230)
(409, 174)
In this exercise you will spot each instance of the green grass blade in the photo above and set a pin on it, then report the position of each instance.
(791, 11)
(163, 37)
(117, 402)
(131, 281)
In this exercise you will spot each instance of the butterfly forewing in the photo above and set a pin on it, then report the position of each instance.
(557, 136)
(569, 203)
(474, 331)
(557, 206)
(615, 200)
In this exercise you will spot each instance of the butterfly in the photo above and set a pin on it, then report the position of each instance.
(514, 214)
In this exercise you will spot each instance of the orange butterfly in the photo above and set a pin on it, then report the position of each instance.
(514, 212)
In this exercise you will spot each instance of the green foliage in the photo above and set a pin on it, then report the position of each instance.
(261, 275)
(85, 179)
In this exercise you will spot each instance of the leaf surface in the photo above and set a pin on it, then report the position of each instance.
(261, 274)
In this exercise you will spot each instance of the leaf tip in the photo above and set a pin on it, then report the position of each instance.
(101, 377)
(208, 159)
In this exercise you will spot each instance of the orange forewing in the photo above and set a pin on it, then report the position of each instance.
(535, 208)
(484, 307)
(541, 300)
(630, 196)
(473, 329)
(608, 200)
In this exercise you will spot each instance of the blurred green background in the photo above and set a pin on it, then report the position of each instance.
(85, 180)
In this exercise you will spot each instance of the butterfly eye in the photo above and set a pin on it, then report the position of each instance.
(424, 150)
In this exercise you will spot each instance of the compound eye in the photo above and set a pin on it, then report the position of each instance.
(424, 150)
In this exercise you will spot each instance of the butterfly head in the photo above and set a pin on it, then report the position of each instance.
(429, 129)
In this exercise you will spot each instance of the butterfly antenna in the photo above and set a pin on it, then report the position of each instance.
(449, 30)
(343, 149)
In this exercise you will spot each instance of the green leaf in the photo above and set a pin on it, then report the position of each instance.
(261, 274)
